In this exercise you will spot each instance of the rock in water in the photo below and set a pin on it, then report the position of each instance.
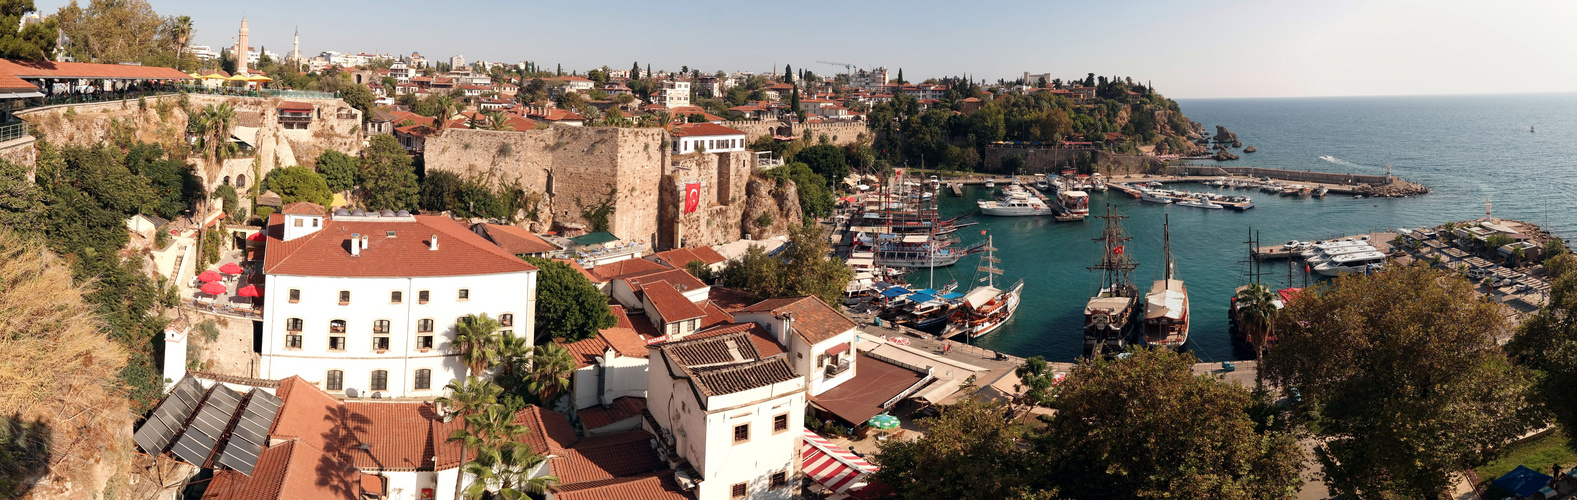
(1224, 156)
(1237, 144)
(1249, 149)
(1224, 136)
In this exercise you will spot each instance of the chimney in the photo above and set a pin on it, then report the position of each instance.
(364, 240)
(788, 326)
(433, 243)
(355, 245)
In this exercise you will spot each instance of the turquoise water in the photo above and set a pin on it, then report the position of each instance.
(1467, 148)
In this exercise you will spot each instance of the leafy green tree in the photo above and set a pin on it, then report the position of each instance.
(1037, 380)
(174, 184)
(969, 451)
(440, 191)
(388, 177)
(1146, 427)
(568, 304)
(36, 42)
(338, 170)
(826, 160)
(1547, 343)
(1408, 382)
(21, 203)
(801, 268)
(814, 198)
(298, 183)
(230, 200)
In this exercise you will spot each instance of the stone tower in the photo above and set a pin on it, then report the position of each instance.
(241, 49)
(295, 52)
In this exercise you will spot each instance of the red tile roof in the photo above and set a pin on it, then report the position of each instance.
(295, 106)
(676, 278)
(56, 69)
(10, 83)
(514, 239)
(323, 253)
(703, 130)
(654, 486)
(303, 208)
(610, 271)
(595, 417)
(308, 414)
(759, 336)
(576, 266)
(728, 299)
(598, 458)
(715, 315)
(622, 338)
(550, 434)
(287, 470)
(814, 320)
(670, 303)
(679, 257)
(388, 436)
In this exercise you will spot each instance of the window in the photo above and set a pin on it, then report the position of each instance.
(738, 491)
(293, 325)
(465, 294)
(424, 379)
(336, 342)
(421, 297)
(506, 319)
(424, 325)
(424, 342)
(380, 326)
(298, 222)
(293, 340)
(741, 433)
(779, 423)
(344, 297)
(380, 380)
(336, 380)
(673, 328)
(295, 295)
(779, 479)
(380, 343)
(396, 297)
(337, 326)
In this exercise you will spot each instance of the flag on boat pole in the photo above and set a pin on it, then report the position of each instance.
(1118, 250)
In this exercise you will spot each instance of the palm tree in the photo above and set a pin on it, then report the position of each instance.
(216, 123)
(551, 368)
(665, 119)
(467, 397)
(1257, 314)
(476, 342)
(509, 471)
(514, 356)
(180, 32)
(497, 121)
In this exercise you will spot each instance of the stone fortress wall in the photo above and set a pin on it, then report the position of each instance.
(841, 133)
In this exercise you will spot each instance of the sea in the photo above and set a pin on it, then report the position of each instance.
(1516, 153)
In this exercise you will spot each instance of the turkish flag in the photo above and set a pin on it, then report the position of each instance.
(1117, 251)
(692, 197)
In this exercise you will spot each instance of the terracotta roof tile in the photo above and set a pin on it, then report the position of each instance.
(388, 436)
(678, 279)
(10, 83)
(611, 270)
(576, 266)
(595, 416)
(604, 457)
(715, 315)
(703, 129)
(57, 69)
(308, 414)
(550, 434)
(641, 324)
(814, 320)
(585, 351)
(679, 257)
(654, 486)
(728, 299)
(323, 253)
(295, 106)
(712, 350)
(514, 239)
(287, 470)
(303, 208)
(743, 377)
(765, 344)
(670, 304)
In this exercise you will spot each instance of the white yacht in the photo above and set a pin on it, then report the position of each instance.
(1153, 196)
(1330, 255)
(1324, 247)
(1016, 206)
(1197, 203)
(1350, 263)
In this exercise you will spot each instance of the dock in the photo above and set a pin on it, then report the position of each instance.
(1380, 240)
(957, 188)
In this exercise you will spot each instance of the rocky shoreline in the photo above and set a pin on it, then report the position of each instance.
(1397, 188)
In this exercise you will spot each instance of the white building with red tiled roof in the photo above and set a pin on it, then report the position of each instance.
(706, 137)
(367, 304)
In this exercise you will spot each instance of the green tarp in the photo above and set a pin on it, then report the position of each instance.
(594, 239)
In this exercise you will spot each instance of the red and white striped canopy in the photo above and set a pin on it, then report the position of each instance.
(831, 465)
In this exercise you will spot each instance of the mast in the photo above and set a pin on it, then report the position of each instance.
(1114, 261)
(989, 263)
(1166, 248)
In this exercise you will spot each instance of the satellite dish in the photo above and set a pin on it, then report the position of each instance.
(351, 392)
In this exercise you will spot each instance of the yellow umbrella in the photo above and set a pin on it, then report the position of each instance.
(236, 78)
(213, 76)
(259, 78)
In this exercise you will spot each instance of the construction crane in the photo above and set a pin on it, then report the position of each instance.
(847, 68)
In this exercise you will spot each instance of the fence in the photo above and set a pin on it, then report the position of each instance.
(13, 131)
(241, 92)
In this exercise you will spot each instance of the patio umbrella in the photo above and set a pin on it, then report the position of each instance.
(214, 288)
(898, 340)
(230, 268)
(209, 276)
(249, 291)
(257, 236)
(259, 78)
(883, 422)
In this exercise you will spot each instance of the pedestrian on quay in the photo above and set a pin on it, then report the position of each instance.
(947, 347)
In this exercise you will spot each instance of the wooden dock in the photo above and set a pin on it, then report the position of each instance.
(957, 188)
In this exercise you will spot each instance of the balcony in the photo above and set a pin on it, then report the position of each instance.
(835, 369)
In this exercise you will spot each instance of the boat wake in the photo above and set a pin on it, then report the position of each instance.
(1340, 161)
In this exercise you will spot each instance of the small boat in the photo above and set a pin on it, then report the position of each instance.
(1016, 206)
(1320, 193)
(985, 308)
(1152, 196)
(1166, 306)
(1197, 203)
(1076, 203)
(991, 183)
(1350, 263)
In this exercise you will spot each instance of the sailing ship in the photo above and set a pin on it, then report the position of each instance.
(985, 308)
(1108, 316)
(1166, 306)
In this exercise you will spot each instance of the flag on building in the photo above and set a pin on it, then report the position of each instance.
(692, 197)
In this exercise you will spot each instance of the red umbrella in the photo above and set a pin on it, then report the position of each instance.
(257, 236)
(230, 268)
(250, 291)
(898, 340)
(215, 288)
(209, 276)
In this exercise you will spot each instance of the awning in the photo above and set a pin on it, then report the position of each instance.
(20, 95)
(895, 292)
(594, 239)
(832, 466)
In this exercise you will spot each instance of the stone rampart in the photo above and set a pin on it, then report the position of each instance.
(727, 211)
(841, 133)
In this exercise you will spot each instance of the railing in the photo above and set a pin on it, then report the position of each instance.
(834, 369)
(13, 131)
(243, 92)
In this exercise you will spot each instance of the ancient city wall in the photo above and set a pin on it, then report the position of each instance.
(733, 201)
(569, 171)
(842, 133)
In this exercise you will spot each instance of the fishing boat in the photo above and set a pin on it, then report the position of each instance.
(1109, 315)
(985, 308)
(1166, 306)
(1075, 202)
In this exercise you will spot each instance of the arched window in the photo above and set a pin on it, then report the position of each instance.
(337, 326)
(335, 381)
(227, 180)
(424, 379)
(240, 181)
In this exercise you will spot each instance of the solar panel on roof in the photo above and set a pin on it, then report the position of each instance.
(159, 431)
(240, 455)
(194, 448)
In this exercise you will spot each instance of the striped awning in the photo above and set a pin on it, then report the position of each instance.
(832, 465)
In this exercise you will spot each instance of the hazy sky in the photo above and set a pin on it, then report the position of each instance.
(1202, 48)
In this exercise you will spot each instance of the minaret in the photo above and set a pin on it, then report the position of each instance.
(240, 49)
(295, 53)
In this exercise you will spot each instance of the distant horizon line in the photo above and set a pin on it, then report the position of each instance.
(1346, 96)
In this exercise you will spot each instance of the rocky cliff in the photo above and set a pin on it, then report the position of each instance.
(774, 203)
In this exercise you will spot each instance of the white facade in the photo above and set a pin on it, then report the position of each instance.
(621, 376)
(822, 370)
(710, 143)
(672, 94)
(869, 80)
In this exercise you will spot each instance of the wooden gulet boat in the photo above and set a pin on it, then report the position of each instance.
(1166, 306)
(985, 308)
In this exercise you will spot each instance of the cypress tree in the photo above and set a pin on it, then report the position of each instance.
(900, 76)
(635, 71)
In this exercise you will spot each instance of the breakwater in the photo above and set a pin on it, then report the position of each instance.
(1281, 174)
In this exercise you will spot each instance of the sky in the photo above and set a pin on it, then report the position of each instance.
(1194, 49)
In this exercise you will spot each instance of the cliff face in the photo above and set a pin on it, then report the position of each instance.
(773, 203)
